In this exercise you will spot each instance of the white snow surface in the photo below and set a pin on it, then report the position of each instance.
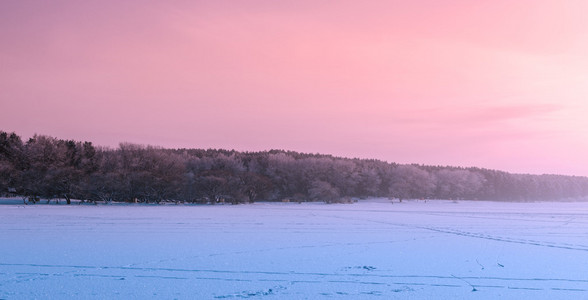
(368, 250)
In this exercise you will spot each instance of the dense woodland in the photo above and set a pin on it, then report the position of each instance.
(50, 168)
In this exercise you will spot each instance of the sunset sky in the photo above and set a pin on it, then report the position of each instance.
(494, 84)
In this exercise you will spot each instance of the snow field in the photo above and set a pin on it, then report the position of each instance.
(368, 250)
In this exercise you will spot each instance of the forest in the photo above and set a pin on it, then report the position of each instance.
(45, 167)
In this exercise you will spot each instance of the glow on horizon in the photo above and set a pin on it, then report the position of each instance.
(499, 85)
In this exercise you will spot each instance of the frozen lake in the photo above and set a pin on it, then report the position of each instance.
(366, 250)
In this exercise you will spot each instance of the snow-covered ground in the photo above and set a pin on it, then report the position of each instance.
(366, 250)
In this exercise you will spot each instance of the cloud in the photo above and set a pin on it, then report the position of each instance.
(511, 112)
(476, 115)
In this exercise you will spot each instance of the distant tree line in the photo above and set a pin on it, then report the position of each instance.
(51, 168)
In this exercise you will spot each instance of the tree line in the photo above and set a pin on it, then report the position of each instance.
(51, 168)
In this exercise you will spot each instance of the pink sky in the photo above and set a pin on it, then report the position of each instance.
(494, 84)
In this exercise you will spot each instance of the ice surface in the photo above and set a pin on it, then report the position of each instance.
(366, 250)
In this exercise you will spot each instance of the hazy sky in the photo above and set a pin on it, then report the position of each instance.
(495, 84)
